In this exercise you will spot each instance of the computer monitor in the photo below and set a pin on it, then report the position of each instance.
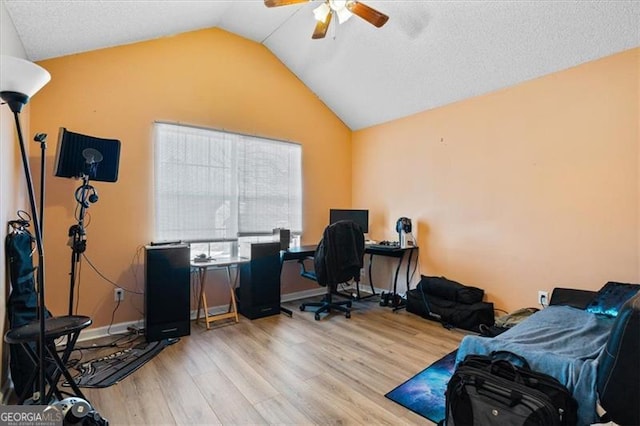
(79, 155)
(361, 217)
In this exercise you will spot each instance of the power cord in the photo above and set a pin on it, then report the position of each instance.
(135, 330)
(113, 314)
(114, 343)
(543, 301)
(84, 256)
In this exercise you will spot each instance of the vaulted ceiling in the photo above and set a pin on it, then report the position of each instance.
(429, 54)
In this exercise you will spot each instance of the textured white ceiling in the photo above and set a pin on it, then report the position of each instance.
(429, 54)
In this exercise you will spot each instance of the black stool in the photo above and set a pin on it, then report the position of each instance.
(55, 327)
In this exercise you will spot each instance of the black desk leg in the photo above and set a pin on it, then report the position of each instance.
(370, 274)
(396, 300)
(286, 311)
(409, 267)
(403, 305)
(373, 290)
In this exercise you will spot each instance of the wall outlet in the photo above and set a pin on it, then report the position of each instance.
(362, 274)
(118, 295)
(543, 298)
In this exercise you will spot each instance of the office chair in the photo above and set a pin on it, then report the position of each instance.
(338, 259)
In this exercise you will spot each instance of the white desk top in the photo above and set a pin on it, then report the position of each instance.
(219, 262)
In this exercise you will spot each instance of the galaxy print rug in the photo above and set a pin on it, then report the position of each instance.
(424, 393)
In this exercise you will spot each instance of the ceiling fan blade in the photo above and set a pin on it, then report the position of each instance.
(367, 13)
(322, 26)
(276, 3)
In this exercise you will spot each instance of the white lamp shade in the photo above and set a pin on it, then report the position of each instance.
(21, 76)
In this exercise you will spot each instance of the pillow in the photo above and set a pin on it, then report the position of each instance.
(575, 298)
(611, 297)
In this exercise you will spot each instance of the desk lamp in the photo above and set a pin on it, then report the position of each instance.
(19, 81)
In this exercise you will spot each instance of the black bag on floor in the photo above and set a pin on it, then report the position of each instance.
(491, 390)
(450, 313)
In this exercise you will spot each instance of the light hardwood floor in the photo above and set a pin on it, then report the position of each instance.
(281, 370)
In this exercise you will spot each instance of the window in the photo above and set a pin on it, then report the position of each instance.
(214, 186)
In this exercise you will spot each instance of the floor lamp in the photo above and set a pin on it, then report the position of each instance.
(19, 81)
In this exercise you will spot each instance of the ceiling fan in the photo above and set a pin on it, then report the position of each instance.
(343, 9)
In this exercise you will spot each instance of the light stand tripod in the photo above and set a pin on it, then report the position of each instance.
(85, 195)
(84, 157)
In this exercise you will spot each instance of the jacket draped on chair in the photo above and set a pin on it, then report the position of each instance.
(339, 255)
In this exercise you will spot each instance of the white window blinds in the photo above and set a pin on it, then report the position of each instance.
(212, 185)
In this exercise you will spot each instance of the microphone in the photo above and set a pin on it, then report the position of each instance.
(92, 157)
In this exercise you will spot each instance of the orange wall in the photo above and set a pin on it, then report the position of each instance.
(527, 188)
(209, 78)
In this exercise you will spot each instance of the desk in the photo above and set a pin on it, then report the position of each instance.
(302, 252)
(298, 253)
(202, 268)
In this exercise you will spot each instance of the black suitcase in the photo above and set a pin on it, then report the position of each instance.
(491, 390)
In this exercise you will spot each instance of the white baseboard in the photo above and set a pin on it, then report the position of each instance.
(122, 327)
(303, 294)
(115, 329)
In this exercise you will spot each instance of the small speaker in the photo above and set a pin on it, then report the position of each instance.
(259, 291)
(167, 294)
(284, 236)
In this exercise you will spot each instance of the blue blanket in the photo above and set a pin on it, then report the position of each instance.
(560, 341)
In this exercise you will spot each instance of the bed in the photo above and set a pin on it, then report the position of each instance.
(596, 355)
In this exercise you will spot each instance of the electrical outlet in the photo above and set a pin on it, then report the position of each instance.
(118, 295)
(543, 297)
(362, 274)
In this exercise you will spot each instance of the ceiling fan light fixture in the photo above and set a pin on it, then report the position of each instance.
(343, 15)
(321, 12)
(340, 8)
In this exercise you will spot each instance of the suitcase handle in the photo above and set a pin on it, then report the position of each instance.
(505, 355)
(500, 360)
(495, 367)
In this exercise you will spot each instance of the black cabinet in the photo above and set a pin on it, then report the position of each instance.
(167, 293)
(259, 291)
